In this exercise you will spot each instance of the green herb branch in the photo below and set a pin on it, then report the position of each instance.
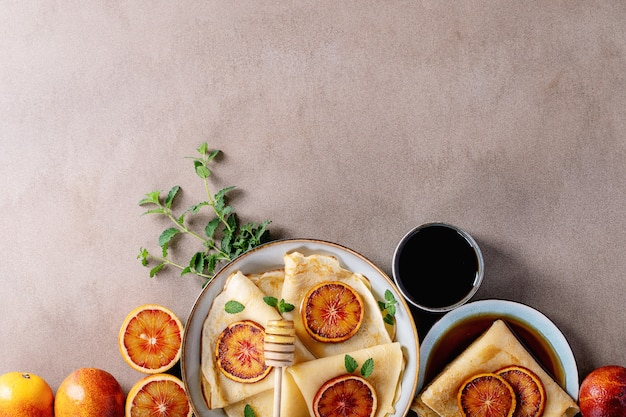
(388, 307)
(223, 238)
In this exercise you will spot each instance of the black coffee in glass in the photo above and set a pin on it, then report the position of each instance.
(437, 266)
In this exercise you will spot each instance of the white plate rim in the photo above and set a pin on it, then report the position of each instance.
(269, 256)
(535, 320)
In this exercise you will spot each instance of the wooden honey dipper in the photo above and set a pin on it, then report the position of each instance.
(279, 349)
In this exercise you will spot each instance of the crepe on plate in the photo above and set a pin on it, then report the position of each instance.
(220, 391)
(388, 364)
(494, 349)
(302, 273)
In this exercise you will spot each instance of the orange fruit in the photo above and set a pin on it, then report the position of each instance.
(150, 339)
(89, 392)
(345, 396)
(603, 392)
(530, 394)
(486, 395)
(158, 395)
(239, 352)
(25, 395)
(332, 312)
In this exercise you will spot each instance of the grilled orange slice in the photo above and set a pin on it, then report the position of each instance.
(486, 395)
(529, 390)
(158, 395)
(345, 396)
(150, 339)
(332, 312)
(239, 352)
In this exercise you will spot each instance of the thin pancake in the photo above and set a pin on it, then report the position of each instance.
(219, 390)
(388, 363)
(496, 348)
(304, 272)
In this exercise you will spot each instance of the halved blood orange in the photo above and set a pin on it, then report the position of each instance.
(486, 395)
(345, 396)
(239, 352)
(150, 339)
(332, 311)
(529, 390)
(158, 395)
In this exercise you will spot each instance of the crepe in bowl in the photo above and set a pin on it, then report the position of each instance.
(388, 365)
(493, 350)
(304, 272)
(219, 390)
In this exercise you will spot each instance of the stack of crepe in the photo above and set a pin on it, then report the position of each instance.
(493, 350)
(315, 362)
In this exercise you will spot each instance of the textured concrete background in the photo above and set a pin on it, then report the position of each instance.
(344, 121)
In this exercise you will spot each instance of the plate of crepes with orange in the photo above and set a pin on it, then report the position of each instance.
(355, 350)
(496, 358)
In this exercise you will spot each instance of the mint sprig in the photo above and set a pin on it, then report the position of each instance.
(222, 239)
(388, 307)
(351, 365)
(282, 306)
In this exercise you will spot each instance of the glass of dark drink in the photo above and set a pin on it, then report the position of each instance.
(437, 267)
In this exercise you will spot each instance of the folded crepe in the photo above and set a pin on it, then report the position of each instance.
(388, 365)
(292, 403)
(496, 348)
(220, 391)
(304, 272)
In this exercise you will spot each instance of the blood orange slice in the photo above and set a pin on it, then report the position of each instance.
(345, 396)
(239, 352)
(332, 312)
(486, 395)
(150, 339)
(529, 390)
(159, 395)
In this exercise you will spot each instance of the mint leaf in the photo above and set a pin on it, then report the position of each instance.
(233, 307)
(167, 235)
(367, 368)
(171, 195)
(284, 307)
(350, 363)
(197, 262)
(248, 412)
(156, 270)
(271, 301)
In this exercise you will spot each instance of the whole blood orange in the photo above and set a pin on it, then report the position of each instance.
(345, 396)
(603, 392)
(25, 395)
(158, 395)
(332, 312)
(239, 352)
(89, 392)
(150, 339)
(486, 395)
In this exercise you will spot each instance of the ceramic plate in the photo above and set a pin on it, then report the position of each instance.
(457, 329)
(268, 257)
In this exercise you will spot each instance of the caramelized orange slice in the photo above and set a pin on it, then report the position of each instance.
(150, 339)
(332, 312)
(158, 395)
(529, 390)
(345, 396)
(486, 395)
(239, 352)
